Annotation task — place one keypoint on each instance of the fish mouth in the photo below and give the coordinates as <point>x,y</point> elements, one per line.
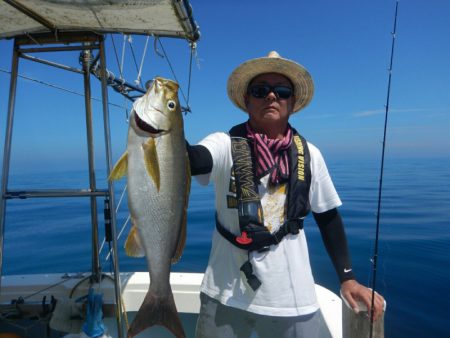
<point>147,127</point>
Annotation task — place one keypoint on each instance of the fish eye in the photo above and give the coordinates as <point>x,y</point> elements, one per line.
<point>171,104</point>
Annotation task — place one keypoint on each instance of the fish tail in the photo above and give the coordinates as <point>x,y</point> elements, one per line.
<point>157,310</point>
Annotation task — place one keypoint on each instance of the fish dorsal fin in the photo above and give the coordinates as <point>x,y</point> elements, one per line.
<point>133,244</point>
<point>120,168</point>
<point>151,161</point>
<point>182,236</point>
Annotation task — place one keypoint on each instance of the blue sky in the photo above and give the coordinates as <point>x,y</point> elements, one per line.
<point>344,44</point>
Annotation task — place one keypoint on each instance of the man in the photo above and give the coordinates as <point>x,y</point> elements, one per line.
<point>267,178</point>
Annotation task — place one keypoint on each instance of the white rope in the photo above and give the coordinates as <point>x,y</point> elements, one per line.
<point>117,57</point>
<point>130,42</point>
<point>117,209</point>
<point>127,120</point>
<point>120,234</point>
<point>198,60</point>
<point>121,198</point>
<point>138,80</point>
<point>123,55</point>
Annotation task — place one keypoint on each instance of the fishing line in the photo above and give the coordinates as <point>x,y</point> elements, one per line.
<point>60,88</point>
<point>66,278</point>
<point>173,73</point>
<point>380,187</point>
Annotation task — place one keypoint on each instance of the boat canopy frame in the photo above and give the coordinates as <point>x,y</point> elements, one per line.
<point>85,42</point>
<point>59,26</point>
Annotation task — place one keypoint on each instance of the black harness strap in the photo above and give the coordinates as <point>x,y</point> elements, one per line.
<point>254,235</point>
<point>299,178</point>
<point>261,240</point>
<point>249,204</point>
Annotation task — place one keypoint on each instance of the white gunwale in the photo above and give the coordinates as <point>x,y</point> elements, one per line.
<point>185,287</point>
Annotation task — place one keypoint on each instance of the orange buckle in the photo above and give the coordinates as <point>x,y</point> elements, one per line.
<point>243,239</point>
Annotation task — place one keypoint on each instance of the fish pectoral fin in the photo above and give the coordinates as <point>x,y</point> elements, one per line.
<point>133,244</point>
<point>182,235</point>
<point>120,168</point>
<point>151,161</point>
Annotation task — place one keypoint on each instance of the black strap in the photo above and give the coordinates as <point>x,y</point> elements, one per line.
<point>299,179</point>
<point>260,240</point>
<point>252,280</point>
<point>261,244</point>
<point>229,235</point>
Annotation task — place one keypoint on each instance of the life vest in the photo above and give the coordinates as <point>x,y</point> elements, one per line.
<point>254,234</point>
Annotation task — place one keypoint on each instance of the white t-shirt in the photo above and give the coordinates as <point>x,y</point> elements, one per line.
<point>287,287</point>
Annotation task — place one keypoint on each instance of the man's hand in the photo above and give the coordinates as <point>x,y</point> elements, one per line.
<point>353,292</point>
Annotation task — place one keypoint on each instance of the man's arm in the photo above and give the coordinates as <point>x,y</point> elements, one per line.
<point>200,159</point>
<point>333,235</point>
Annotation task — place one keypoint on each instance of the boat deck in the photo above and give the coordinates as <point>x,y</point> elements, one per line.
<point>185,287</point>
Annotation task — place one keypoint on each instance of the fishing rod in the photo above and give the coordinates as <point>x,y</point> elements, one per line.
<point>380,187</point>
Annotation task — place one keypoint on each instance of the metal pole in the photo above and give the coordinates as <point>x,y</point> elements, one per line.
<point>23,194</point>
<point>56,49</point>
<point>115,257</point>
<point>7,149</point>
<point>51,63</point>
<point>96,274</point>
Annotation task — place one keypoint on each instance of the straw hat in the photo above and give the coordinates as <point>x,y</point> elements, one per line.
<point>272,63</point>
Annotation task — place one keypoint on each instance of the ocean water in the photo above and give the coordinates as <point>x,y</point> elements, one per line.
<point>54,235</point>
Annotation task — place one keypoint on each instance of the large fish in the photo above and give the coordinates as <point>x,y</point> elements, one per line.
<point>158,172</point>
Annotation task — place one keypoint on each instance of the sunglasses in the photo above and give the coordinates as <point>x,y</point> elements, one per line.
<point>261,91</point>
